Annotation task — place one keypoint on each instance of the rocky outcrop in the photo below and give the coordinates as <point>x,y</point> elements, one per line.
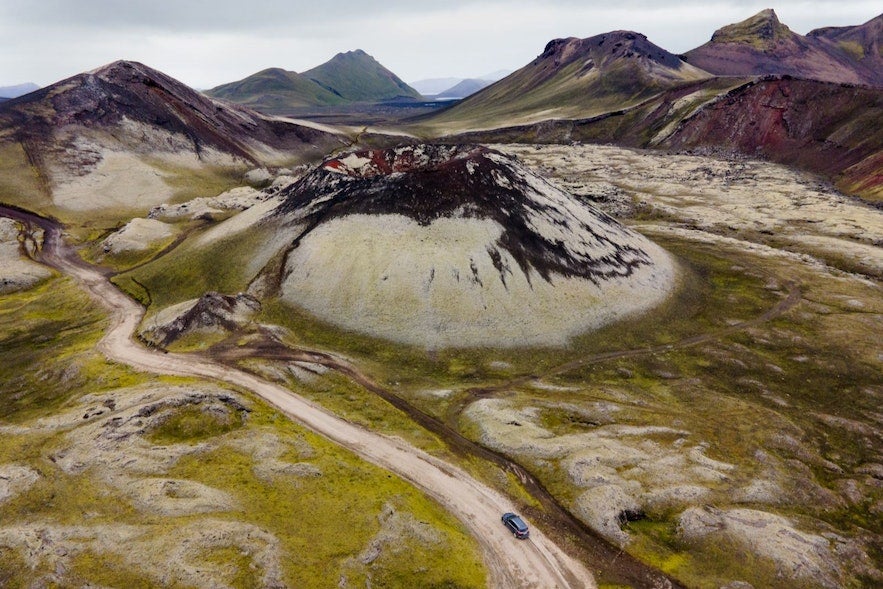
<point>17,272</point>
<point>212,312</point>
<point>796,554</point>
<point>459,246</point>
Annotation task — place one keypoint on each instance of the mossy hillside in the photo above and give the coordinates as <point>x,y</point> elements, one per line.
<point>21,183</point>
<point>47,340</point>
<point>324,522</point>
<point>347,487</point>
<point>191,270</point>
<point>187,183</point>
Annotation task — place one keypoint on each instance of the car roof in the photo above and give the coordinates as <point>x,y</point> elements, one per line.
<point>519,523</point>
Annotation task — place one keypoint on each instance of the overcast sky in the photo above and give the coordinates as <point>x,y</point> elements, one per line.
<point>208,42</point>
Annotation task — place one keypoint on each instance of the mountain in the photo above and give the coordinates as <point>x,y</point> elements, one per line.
<point>574,78</point>
<point>346,78</point>
<point>355,76</point>
<point>433,86</point>
<point>831,129</point>
<point>17,90</point>
<point>497,256</point>
<point>863,42</point>
<point>447,87</point>
<point>126,135</point>
<point>274,90</point>
<point>465,88</point>
<point>762,45</point>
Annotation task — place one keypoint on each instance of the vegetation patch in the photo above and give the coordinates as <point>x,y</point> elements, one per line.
<point>191,423</point>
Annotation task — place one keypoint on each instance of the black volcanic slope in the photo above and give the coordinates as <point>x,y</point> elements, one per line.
<point>426,183</point>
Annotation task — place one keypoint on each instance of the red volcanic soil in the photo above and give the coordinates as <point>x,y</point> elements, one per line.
<point>832,129</point>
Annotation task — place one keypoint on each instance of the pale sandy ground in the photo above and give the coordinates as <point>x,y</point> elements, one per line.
<point>237,199</point>
<point>137,235</point>
<point>534,563</point>
<point>752,200</point>
<point>17,272</point>
<point>388,276</point>
<point>119,180</point>
<point>99,172</point>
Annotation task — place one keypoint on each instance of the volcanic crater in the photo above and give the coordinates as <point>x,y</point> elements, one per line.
<point>441,246</point>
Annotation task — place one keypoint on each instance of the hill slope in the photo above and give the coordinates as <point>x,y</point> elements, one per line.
<point>122,135</point>
<point>863,42</point>
<point>574,78</point>
<point>497,257</point>
<point>275,89</point>
<point>356,76</point>
<point>762,45</point>
<point>465,88</point>
<point>835,130</point>
<point>346,78</point>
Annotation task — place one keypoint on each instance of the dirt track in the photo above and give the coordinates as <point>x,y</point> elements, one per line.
<point>538,562</point>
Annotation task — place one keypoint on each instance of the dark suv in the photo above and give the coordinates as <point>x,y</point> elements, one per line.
<point>517,525</point>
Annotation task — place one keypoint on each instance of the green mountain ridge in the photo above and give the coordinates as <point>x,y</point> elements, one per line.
<point>275,87</point>
<point>351,77</point>
<point>357,77</point>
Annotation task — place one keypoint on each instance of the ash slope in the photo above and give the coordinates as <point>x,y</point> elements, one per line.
<point>460,247</point>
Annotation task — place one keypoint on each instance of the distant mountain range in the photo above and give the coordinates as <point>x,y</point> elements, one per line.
<point>17,90</point>
<point>457,87</point>
<point>351,77</point>
<point>575,78</point>
<point>762,45</point>
<point>756,88</point>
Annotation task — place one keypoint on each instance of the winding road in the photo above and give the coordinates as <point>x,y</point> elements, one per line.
<point>537,562</point>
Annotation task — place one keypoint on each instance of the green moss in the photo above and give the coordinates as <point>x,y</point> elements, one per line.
<point>21,183</point>
<point>190,424</point>
<point>234,565</point>
<point>47,340</point>
<point>853,48</point>
<point>190,270</point>
<point>68,499</point>
<point>12,563</point>
<point>108,570</point>
<point>204,181</point>
<point>324,522</point>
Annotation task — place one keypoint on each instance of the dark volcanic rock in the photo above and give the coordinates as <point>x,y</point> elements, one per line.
<point>211,312</point>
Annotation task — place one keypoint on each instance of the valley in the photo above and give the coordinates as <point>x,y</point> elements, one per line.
<point>311,330</point>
